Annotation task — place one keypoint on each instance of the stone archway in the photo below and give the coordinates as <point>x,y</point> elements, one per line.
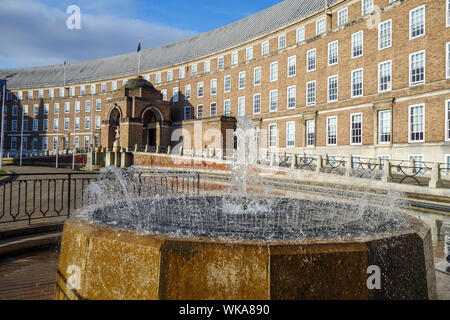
<point>151,126</point>
<point>114,121</point>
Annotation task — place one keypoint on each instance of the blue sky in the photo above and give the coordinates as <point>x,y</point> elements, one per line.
<point>35,30</point>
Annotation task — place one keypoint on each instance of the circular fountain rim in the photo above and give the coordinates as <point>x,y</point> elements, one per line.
<point>412,225</point>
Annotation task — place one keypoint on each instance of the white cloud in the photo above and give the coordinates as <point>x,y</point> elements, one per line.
<point>32,33</point>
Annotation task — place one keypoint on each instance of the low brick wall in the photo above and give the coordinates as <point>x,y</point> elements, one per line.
<point>176,162</point>
<point>80,159</point>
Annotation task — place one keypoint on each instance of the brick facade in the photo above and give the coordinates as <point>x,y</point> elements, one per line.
<point>432,94</point>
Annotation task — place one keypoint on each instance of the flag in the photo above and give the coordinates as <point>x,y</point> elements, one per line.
<point>65,62</point>
<point>139,47</point>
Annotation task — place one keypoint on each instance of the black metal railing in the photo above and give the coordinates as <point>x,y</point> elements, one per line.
<point>35,197</point>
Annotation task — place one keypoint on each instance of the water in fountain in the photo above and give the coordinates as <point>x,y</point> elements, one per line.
<point>137,199</point>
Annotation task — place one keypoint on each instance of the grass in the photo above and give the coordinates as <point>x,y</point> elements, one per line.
<point>3,172</point>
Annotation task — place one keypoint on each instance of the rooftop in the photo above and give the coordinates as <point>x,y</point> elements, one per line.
<point>226,37</point>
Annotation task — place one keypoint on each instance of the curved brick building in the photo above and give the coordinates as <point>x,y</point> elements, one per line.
<point>370,78</point>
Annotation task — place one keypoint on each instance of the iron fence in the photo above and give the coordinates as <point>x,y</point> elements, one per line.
<point>34,197</point>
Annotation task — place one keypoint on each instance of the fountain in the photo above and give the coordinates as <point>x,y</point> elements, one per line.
<point>134,240</point>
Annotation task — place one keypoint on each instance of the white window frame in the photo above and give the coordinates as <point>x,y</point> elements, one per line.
<point>362,83</point>
<point>287,97</point>
<point>235,58</point>
<point>447,60</point>
<point>409,122</point>
<point>336,42</point>
<point>317,26</point>
<point>447,120</point>
<point>241,106</point>
<point>220,63</point>
<point>289,75</point>
<point>411,84</point>
<point>327,131</point>
<point>447,16</point>
<point>200,107</point>
<point>337,88</point>
<point>270,100</point>
<point>339,23</point>
<point>307,60</point>
<point>410,22</point>
<point>287,134</point>
<point>362,8</point>
<point>264,44</point>
<point>225,84</point>
<point>447,165</point>
<point>298,32</point>
<point>242,80</point>
<point>164,94</point>
<point>187,110</point>
<point>379,82</point>
<point>213,85</point>
<point>308,104</point>
<point>254,96</point>
<point>225,102</point>
<point>211,114</point>
<point>207,66</point>
<point>379,34</point>
<point>282,38</point>
<point>276,135</point>
<point>351,129</point>
<point>249,53</point>
<point>307,133</point>
<point>353,44</point>
<point>181,73</point>
<point>380,127</point>
<point>194,70</point>
<point>201,86</point>
<point>187,89</point>
<point>273,75</point>
<point>254,76</point>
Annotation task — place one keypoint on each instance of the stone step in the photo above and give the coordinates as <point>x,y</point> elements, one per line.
<point>34,242</point>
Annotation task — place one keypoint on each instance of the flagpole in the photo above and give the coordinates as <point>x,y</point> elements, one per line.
<point>2,129</point>
<point>139,58</point>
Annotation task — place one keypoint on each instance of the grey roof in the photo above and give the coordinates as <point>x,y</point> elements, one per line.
<point>234,34</point>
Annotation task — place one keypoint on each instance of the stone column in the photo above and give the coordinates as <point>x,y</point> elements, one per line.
<point>412,166</point>
<point>349,166</point>
<point>387,172</point>
<point>319,164</point>
<point>436,181</point>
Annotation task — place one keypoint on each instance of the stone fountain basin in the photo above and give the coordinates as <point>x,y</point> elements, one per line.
<point>98,261</point>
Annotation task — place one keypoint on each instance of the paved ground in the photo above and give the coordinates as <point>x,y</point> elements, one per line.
<point>29,277</point>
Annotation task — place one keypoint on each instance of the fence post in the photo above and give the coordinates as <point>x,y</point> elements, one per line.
<point>294,161</point>
<point>349,166</point>
<point>436,181</point>
<point>412,166</point>
<point>387,172</point>
<point>68,195</point>
<point>198,183</point>
<point>319,164</point>
<point>272,159</point>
